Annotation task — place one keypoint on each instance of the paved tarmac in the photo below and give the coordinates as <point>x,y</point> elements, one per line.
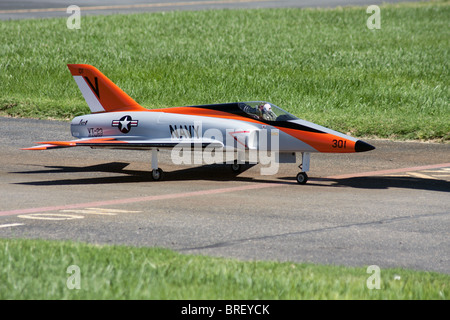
<point>26,9</point>
<point>388,207</point>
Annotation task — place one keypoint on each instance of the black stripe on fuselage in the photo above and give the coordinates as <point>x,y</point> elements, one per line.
<point>233,108</point>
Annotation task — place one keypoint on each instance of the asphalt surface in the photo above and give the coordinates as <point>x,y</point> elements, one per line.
<point>388,207</point>
<point>26,9</point>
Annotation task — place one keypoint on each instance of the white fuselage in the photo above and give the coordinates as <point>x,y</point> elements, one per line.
<point>180,128</point>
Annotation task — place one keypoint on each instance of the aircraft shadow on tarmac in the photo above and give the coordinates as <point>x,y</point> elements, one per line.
<point>220,172</point>
<point>216,172</point>
<point>386,182</point>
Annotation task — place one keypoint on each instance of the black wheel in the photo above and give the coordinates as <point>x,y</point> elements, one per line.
<point>236,167</point>
<point>157,174</point>
<point>302,178</point>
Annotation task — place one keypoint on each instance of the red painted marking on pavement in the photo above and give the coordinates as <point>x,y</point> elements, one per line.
<point>140,199</point>
<point>390,171</point>
<point>206,192</point>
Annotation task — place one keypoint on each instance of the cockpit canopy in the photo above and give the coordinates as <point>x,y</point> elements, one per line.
<point>267,111</point>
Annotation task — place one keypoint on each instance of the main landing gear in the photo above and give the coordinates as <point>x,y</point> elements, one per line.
<point>302,177</point>
<point>157,173</point>
<point>236,167</point>
<point>239,164</point>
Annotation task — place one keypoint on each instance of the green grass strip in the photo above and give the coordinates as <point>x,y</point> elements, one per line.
<point>323,65</point>
<point>38,269</point>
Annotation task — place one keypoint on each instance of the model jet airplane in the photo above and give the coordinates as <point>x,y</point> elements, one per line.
<point>117,121</point>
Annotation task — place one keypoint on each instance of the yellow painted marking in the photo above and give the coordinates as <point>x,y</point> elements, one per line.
<point>81,211</point>
<point>398,175</point>
<point>113,210</point>
<point>10,225</point>
<point>50,216</point>
<point>99,211</point>
<point>421,175</point>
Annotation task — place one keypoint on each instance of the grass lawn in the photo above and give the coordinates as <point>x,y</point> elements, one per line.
<point>323,65</point>
<point>37,269</point>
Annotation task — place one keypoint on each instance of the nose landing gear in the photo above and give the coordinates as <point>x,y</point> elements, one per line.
<point>302,177</point>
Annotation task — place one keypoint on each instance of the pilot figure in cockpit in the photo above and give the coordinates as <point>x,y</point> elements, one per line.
<point>266,113</point>
<point>262,111</point>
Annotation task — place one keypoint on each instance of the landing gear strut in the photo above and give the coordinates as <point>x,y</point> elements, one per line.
<point>302,177</point>
<point>157,173</point>
<point>238,165</point>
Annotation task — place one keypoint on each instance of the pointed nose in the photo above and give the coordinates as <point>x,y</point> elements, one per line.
<point>361,146</point>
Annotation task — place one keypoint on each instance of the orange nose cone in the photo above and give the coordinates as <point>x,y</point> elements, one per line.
<point>361,146</point>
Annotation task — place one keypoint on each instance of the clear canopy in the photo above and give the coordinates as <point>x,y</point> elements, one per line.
<point>262,110</point>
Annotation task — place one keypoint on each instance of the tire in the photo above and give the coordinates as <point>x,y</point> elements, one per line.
<point>302,178</point>
<point>236,167</point>
<point>157,174</point>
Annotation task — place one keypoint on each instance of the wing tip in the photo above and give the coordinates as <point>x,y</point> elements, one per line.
<point>34,148</point>
<point>51,145</point>
<point>42,147</point>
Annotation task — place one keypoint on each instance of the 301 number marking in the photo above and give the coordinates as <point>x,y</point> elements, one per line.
<point>339,144</point>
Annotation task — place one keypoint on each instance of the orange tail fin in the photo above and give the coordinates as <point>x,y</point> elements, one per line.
<point>100,93</point>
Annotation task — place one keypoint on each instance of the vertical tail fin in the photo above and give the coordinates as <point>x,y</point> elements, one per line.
<point>100,93</point>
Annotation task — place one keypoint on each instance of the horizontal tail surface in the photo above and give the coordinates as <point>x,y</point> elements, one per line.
<point>100,93</point>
